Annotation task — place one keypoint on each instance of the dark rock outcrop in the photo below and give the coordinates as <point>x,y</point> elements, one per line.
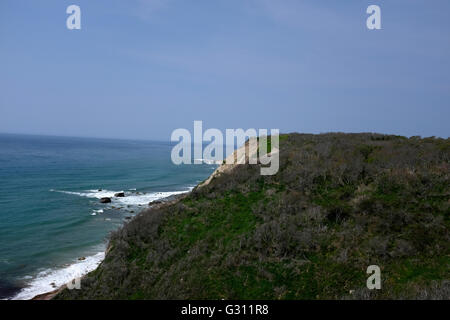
<point>105,200</point>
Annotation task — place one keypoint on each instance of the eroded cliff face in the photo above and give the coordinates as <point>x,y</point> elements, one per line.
<point>241,156</point>
<point>339,203</point>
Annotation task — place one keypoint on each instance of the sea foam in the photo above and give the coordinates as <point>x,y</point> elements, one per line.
<point>130,199</point>
<point>50,279</point>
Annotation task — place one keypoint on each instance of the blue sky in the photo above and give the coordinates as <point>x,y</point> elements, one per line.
<point>142,68</point>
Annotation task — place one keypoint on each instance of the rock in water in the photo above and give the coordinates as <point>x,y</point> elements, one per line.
<point>105,200</point>
<point>119,195</point>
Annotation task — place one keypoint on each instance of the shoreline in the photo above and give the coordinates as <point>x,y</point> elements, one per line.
<point>171,199</point>
<point>62,217</point>
<point>51,280</point>
<point>49,295</point>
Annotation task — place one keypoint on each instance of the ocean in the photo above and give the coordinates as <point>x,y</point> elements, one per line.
<point>53,227</point>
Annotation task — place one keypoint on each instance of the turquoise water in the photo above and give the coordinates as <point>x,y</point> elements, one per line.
<point>50,214</point>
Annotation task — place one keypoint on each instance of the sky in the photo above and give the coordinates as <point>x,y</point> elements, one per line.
<point>139,69</point>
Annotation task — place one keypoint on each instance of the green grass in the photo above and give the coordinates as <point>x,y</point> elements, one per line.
<point>226,218</point>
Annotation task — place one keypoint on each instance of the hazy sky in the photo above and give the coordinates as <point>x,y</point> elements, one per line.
<point>142,68</point>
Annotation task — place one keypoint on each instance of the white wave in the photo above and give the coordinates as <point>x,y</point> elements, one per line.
<point>90,193</point>
<point>131,198</point>
<point>143,199</point>
<point>97,211</point>
<point>42,282</point>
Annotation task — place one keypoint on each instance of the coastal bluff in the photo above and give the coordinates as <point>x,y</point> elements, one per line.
<point>338,204</point>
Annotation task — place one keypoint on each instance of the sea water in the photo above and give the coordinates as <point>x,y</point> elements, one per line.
<point>53,227</point>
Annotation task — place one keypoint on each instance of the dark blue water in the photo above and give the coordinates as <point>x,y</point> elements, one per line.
<point>50,214</point>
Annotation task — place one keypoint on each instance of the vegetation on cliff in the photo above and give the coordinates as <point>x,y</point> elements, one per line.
<point>339,203</point>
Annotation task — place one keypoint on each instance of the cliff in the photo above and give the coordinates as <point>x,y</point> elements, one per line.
<point>339,203</point>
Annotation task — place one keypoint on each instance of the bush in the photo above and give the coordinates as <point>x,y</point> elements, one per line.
<point>339,203</point>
